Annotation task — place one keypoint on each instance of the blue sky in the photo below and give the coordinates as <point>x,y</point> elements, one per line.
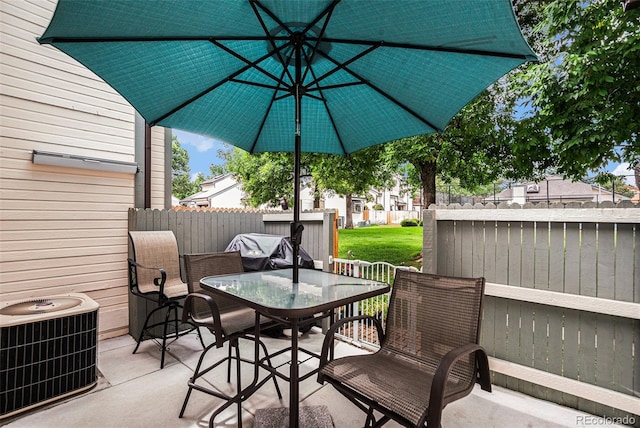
<point>203,152</point>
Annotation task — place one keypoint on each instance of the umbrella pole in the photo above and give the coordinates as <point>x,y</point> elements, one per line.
<point>296,226</point>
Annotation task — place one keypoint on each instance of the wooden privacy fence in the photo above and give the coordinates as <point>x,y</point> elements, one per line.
<point>209,230</point>
<point>562,312</point>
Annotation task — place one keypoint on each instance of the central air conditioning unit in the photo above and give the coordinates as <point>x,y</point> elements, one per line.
<point>48,350</point>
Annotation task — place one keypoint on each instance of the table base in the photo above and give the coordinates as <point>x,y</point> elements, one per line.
<point>310,417</point>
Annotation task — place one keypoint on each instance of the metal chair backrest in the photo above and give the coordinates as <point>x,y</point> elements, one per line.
<point>429,315</point>
<point>155,249</point>
<point>198,266</point>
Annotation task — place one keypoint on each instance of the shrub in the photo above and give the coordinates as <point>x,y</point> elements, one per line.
<point>409,222</point>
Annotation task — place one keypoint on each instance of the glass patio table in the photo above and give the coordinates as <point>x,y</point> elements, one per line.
<point>274,295</point>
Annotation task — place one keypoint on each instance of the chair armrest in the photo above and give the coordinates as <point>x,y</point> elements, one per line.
<point>189,303</point>
<point>436,400</point>
<point>328,338</point>
<point>159,282</point>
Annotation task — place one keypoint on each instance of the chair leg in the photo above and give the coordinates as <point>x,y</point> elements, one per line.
<point>167,319</point>
<point>200,337</point>
<point>229,360</point>
<point>275,381</point>
<point>370,419</point>
<point>193,378</point>
<point>144,328</point>
<point>239,381</point>
<point>172,309</point>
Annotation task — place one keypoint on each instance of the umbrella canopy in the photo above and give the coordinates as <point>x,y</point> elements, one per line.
<point>298,75</point>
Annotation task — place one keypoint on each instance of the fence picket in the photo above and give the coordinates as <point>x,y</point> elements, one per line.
<point>586,251</point>
<point>501,274</point>
<point>606,261</point>
<point>624,266</point>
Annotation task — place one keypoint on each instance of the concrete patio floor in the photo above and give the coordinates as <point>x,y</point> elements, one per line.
<point>133,392</point>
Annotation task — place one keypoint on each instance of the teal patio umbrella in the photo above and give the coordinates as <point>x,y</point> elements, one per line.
<point>296,76</point>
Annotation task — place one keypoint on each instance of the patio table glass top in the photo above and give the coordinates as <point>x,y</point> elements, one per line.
<point>274,293</point>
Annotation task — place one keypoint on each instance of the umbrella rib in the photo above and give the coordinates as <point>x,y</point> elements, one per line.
<point>271,15</point>
<point>398,103</point>
<point>116,39</point>
<point>270,38</point>
<point>326,106</point>
<point>328,12</point>
<point>261,85</point>
<point>343,65</point>
<point>204,92</point>
<point>477,52</point>
<point>336,86</point>
<point>383,93</point>
<point>282,97</point>
<point>264,119</point>
<point>251,64</point>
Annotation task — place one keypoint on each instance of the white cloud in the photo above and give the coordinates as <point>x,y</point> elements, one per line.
<point>199,142</point>
<point>624,169</point>
<point>202,144</point>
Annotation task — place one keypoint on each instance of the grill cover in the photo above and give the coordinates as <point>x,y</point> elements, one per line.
<point>267,252</point>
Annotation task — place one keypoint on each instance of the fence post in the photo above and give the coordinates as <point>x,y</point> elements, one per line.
<point>429,241</point>
<point>330,239</point>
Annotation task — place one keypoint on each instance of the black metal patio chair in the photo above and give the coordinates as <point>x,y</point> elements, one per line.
<point>227,320</point>
<point>429,354</point>
<point>154,275</point>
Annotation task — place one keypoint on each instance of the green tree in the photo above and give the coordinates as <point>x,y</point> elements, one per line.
<point>265,177</point>
<point>350,175</point>
<point>474,148</point>
<point>181,184</point>
<point>585,94</point>
<point>216,170</point>
<point>268,177</point>
<point>611,182</point>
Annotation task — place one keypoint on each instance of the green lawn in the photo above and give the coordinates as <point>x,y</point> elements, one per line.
<point>393,244</point>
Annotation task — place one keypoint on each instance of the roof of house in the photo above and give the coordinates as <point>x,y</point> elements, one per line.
<point>210,190</point>
<point>553,188</point>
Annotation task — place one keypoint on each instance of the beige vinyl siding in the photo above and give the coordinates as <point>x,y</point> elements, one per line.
<point>63,229</point>
<point>157,168</point>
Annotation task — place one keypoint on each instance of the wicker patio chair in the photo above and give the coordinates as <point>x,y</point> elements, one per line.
<point>226,319</point>
<point>429,354</point>
<point>154,275</point>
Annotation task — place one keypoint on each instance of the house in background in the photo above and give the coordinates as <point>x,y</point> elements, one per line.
<point>222,191</point>
<point>554,189</point>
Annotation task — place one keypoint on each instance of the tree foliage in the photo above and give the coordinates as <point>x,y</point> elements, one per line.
<point>181,184</point>
<point>268,177</point>
<point>585,94</point>
<point>613,184</point>
<point>571,114</point>
<point>265,177</point>
<point>350,175</point>
<point>474,148</point>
